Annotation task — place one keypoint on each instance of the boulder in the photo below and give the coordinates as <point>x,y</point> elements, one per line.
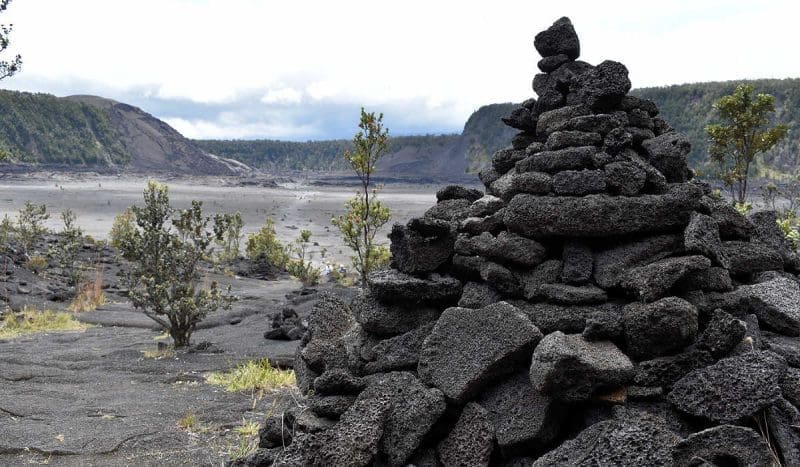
<point>557,119</point>
<point>579,182</point>
<point>732,389</point>
<point>569,319</point>
<point>599,123</point>
<point>501,278</point>
<point>399,352</point>
<point>522,417</point>
<point>551,162</point>
<point>458,192</point>
<point>665,371</point>
<point>786,347</point>
<point>655,280</point>
<point>783,420</point>
<point>629,103</point>
<point>723,445</point>
<point>330,407</point>
<point>722,334</point>
<point>573,294</point>
<point>560,38</point>
<point>577,263</point>
<point>617,141</point>
<point>354,440</point>
<point>548,272</point>
<point>471,441</point>
<point>625,178</point>
<point>478,295</point>
<point>338,381</point>
<point>571,368</point>
<point>621,441</point>
<point>572,138</point>
<point>392,286</point>
<point>790,386</point>
<point>750,258</point>
<point>486,206</point>
<point>513,183</point>
<point>551,63</point>
<point>505,159</point>
<point>450,210</point>
<point>482,344</point>
<point>712,280</point>
<point>387,320</point>
<point>605,85</point>
<point>521,118</point>
<point>415,409</point>
<point>776,303</point>
<point>612,264</point>
<point>732,225</point>
<point>601,215</point>
<point>668,154</point>
<point>702,236</point>
<point>658,328</point>
<point>415,253</point>
<point>604,324</point>
<point>769,233</point>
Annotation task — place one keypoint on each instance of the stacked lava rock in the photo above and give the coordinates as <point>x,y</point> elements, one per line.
<point>595,307</point>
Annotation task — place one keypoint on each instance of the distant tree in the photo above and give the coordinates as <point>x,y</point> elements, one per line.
<point>7,68</point>
<point>228,234</point>
<point>744,135</point>
<point>365,214</point>
<point>165,282</point>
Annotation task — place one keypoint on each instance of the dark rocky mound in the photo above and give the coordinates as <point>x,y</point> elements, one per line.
<point>595,307</point>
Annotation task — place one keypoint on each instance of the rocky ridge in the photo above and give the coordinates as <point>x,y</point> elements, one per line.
<point>596,306</point>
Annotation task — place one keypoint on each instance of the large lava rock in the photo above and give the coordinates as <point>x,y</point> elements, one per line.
<point>468,349</point>
<point>601,215</point>
<point>571,368</point>
<point>732,389</point>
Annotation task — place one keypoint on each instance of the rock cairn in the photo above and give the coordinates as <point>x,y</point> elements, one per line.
<point>595,307</point>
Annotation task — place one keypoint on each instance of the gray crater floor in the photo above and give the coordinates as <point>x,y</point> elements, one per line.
<point>92,398</point>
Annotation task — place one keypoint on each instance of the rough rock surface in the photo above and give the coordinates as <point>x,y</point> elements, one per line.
<point>666,313</point>
<point>731,389</point>
<point>570,368</point>
<point>724,444</point>
<point>483,344</point>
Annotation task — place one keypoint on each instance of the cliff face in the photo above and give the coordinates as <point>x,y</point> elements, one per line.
<point>155,146</point>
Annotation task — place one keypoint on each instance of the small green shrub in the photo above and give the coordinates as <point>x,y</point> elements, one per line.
<point>67,247</point>
<point>30,225</point>
<point>227,234</point>
<point>300,263</point>
<point>122,229</point>
<point>7,233</point>
<point>265,243</point>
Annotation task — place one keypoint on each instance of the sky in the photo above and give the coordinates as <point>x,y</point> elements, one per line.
<point>300,70</point>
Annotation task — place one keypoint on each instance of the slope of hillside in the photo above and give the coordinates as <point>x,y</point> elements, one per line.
<point>99,134</point>
<point>42,128</point>
<point>688,107</point>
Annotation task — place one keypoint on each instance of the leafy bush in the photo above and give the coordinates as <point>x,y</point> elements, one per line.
<point>227,234</point>
<point>90,294</point>
<point>30,225</point>
<point>265,243</point>
<point>165,280</point>
<point>7,233</point>
<point>300,263</point>
<point>67,247</point>
<point>122,229</point>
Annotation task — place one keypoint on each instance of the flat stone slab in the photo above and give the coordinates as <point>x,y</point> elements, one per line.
<point>468,349</point>
<point>601,215</point>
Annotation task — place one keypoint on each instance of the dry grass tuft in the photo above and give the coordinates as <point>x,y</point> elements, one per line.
<point>90,294</point>
<point>32,321</point>
<point>252,376</point>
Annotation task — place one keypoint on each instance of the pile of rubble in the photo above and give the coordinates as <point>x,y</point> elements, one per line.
<point>595,307</point>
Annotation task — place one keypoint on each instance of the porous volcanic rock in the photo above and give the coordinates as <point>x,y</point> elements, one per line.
<point>596,306</point>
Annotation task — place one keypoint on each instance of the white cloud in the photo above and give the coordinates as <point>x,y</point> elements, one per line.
<point>221,129</point>
<point>282,96</point>
<point>446,56</point>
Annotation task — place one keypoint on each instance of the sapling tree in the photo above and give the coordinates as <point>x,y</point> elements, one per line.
<point>365,214</point>
<point>66,249</point>
<point>7,67</point>
<point>744,135</point>
<point>165,281</point>
<point>227,234</point>
<point>30,225</point>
